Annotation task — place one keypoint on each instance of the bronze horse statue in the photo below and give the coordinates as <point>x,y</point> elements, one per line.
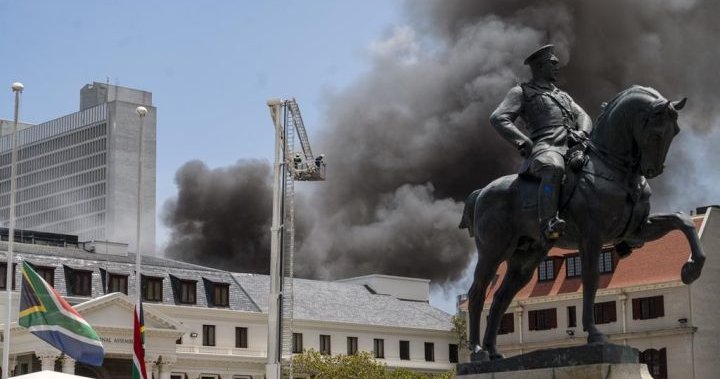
<point>605,203</point>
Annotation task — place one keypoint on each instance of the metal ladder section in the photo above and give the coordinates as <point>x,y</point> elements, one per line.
<point>300,127</point>
<point>288,251</point>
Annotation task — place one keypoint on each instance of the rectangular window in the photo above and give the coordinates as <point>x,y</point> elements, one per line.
<point>453,351</point>
<point>605,313</point>
<point>81,283</point>
<point>3,273</point>
<point>656,361</point>
<point>379,348</point>
<point>187,291</point>
<point>546,270</point>
<point>606,261</point>
<point>325,344</point>
<point>352,345</point>
<point>429,352</point>
<point>47,273</point>
<point>118,283</point>
<point>645,308</point>
<point>152,288</point>
<point>574,268</point>
<point>571,318</point>
<point>297,343</point>
<point>507,324</point>
<point>241,337</point>
<point>208,335</point>
<point>221,294</point>
<point>405,350</point>
<point>542,319</point>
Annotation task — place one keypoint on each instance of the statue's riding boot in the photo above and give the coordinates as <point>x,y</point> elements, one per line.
<point>548,198</point>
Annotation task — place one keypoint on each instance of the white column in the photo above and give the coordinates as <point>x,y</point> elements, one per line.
<point>165,366</point>
<point>150,365</point>
<point>519,311</point>
<point>68,365</point>
<point>623,309</point>
<point>47,359</point>
<point>12,362</point>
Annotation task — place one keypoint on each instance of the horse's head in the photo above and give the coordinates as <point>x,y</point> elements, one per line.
<point>654,135</point>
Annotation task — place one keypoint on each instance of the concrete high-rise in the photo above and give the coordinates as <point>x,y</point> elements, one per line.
<point>78,174</point>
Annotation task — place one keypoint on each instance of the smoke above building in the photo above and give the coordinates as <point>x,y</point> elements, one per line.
<point>410,139</point>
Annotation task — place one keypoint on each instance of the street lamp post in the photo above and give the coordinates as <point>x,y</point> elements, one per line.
<point>17,87</point>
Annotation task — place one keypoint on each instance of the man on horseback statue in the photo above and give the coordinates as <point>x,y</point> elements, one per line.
<point>606,205</point>
<point>553,121</point>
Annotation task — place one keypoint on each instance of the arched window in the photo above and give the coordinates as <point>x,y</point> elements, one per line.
<point>656,360</point>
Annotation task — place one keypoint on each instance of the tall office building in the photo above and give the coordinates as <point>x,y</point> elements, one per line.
<point>78,174</point>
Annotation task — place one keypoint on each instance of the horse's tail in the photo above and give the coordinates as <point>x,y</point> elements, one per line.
<point>468,215</point>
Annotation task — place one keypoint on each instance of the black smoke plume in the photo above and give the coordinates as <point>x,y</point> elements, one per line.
<point>221,217</point>
<point>410,139</point>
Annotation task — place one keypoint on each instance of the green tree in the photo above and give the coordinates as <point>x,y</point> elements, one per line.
<point>359,366</point>
<point>460,329</point>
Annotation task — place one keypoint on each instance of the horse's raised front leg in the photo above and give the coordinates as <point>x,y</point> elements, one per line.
<point>660,224</point>
<point>589,257</point>
<point>521,266</point>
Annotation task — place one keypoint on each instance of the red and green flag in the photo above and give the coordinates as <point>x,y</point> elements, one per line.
<point>48,316</point>
<point>138,368</point>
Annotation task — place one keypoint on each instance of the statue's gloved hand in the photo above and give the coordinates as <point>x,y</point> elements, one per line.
<point>525,148</point>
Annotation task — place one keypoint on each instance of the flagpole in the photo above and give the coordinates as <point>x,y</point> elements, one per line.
<point>17,87</point>
<point>141,111</point>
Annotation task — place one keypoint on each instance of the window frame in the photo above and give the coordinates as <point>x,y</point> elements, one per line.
<point>47,273</point>
<point>188,291</point>
<point>379,348</point>
<point>404,348</point>
<point>352,345</point>
<point>325,347</point>
<point>429,352</point>
<point>571,317</point>
<point>208,335</point>
<point>606,261</point>
<point>605,312</point>
<point>507,324</point>
<point>3,269</point>
<point>152,285</point>
<point>221,294</point>
<point>649,307</point>
<point>546,270</point>
<point>453,353</point>
<point>117,279</point>
<point>80,278</point>
<point>656,362</point>
<point>241,337</point>
<point>573,266</point>
<point>542,319</point>
<point>297,343</point>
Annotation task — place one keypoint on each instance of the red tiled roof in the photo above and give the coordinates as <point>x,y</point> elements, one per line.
<point>656,262</point>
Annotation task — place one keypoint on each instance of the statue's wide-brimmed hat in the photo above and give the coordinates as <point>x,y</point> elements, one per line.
<point>540,54</point>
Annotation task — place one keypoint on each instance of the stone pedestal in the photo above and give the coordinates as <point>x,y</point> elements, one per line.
<point>596,371</point>
<point>580,362</point>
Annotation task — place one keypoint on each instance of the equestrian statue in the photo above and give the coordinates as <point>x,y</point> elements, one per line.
<point>581,186</point>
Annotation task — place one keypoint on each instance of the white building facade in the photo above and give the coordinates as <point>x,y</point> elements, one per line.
<point>203,323</point>
<point>641,303</point>
<point>78,174</point>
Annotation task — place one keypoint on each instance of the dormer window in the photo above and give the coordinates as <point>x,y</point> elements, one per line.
<point>187,291</point>
<point>221,294</point>
<point>152,288</point>
<point>218,293</point>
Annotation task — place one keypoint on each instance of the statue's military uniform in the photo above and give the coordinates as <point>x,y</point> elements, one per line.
<point>547,113</point>
<point>551,117</point>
